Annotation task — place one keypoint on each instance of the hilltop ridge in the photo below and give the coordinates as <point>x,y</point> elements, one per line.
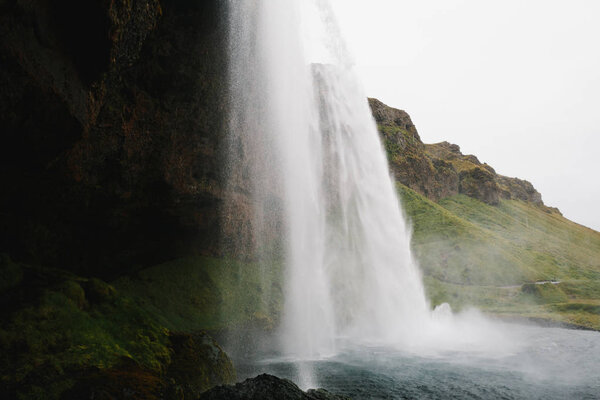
<point>441,170</point>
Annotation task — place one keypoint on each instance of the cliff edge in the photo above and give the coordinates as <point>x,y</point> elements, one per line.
<point>441,170</point>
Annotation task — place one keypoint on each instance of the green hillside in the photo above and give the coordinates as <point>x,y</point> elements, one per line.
<point>475,254</point>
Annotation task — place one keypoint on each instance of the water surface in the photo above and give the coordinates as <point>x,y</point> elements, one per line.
<point>549,363</point>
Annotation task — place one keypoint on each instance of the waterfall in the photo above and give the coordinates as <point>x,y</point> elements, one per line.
<point>303,133</point>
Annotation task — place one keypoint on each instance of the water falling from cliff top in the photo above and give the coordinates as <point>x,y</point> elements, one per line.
<point>349,267</point>
<point>307,137</point>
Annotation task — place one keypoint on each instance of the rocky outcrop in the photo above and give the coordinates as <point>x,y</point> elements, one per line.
<point>433,177</point>
<point>198,364</point>
<point>441,170</point>
<point>111,116</point>
<point>266,387</point>
<point>515,188</point>
<point>480,184</point>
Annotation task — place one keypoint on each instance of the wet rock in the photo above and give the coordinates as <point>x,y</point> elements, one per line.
<point>198,364</point>
<point>266,387</point>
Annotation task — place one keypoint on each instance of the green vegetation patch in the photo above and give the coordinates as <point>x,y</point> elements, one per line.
<point>455,250</point>
<point>208,293</point>
<point>490,257</point>
<point>71,327</point>
<point>545,293</point>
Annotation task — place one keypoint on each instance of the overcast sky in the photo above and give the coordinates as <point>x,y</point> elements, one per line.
<point>515,82</point>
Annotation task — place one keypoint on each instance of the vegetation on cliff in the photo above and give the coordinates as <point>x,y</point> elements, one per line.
<point>208,293</point>
<point>61,332</point>
<point>496,258</point>
<point>486,240</point>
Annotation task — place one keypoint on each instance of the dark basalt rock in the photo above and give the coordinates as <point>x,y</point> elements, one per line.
<point>111,119</point>
<point>265,387</point>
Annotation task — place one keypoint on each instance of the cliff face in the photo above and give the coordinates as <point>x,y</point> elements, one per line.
<point>111,160</point>
<point>111,115</point>
<point>440,170</point>
<point>112,130</point>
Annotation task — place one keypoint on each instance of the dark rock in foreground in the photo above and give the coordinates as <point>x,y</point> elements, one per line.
<point>265,387</point>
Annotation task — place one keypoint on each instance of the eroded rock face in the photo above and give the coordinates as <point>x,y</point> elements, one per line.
<point>266,387</point>
<point>434,177</point>
<point>480,184</point>
<point>112,117</point>
<point>440,170</point>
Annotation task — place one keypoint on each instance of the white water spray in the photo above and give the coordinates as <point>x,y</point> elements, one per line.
<point>350,272</point>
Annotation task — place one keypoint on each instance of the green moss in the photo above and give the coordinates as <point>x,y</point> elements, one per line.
<point>199,363</point>
<point>40,343</point>
<point>207,293</point>
<point>98,291</point>
<point>74,292</point>
<point>398,142</point>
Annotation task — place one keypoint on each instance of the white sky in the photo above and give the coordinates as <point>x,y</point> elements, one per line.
<point>515,82</point>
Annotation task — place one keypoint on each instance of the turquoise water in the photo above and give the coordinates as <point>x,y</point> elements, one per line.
<point>550,363</point>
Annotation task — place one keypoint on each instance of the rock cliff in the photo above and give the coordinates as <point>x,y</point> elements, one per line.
<point>111,116</point>
<point>440,170</point>
<point>113,129</point>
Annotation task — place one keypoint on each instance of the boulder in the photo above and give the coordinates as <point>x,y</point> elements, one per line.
<point>267,387</point>
<point>198,364</point>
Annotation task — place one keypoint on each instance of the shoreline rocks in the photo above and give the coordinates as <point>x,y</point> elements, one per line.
<point>266,387</point>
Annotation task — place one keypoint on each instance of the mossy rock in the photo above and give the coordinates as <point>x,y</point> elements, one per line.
<point>11,274</point>
<point>261,322</point>
<point>98,291</point>
<point>268,387</point>
<point>48,342</point>
<point>198,364</point>
<point>74,292</point>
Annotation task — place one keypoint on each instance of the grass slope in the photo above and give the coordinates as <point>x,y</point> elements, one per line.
<point>475,254</point>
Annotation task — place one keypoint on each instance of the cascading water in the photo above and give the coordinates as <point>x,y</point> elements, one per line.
<point>305,152</point>
<point>349,266</point>
<point>303,133</point>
